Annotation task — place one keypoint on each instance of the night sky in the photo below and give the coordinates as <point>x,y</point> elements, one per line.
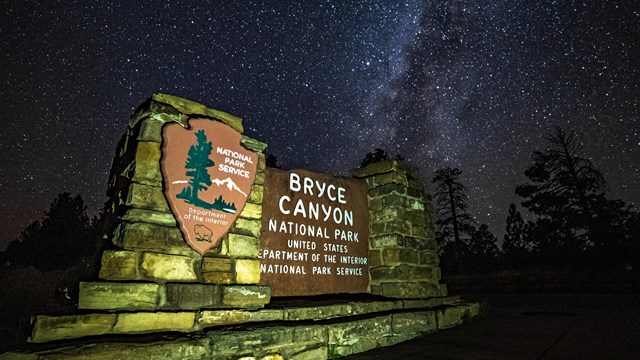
<point>468,84</point>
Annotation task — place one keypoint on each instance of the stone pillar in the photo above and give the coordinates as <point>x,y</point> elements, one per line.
<point>402,245</point>
<point>152,251</point>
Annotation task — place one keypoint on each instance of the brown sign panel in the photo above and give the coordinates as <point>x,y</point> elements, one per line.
<point>314,234</point>
<point>207,176</point>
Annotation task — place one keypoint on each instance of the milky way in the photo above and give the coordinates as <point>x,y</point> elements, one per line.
<point>470,84</point>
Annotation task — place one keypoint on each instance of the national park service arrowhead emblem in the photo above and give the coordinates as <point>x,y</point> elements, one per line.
<point>207,177</point>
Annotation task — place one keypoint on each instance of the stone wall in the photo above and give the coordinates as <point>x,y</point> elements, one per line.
<point>317,341</point>
<point>403,262</point>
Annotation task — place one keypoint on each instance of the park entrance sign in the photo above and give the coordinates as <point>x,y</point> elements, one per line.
<point>206,235</point>
<point>207,175</point>
<point>314,234</point>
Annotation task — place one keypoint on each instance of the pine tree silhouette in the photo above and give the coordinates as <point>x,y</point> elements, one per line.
<point>196,165</point>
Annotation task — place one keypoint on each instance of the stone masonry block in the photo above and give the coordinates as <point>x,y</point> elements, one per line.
<point>147,164</point>
<point>414,322</point>
<point>259,178</point>
<point>410,290</point>
<point>147,322</point>
<point>243,246</point>
<point>118,296</point>
<point>134,215</point>
<point>247,227</point>
<point>404,272</point>
<point>393,177</point>
<point>210,264</point>
<point>218,277</point>
<point>375,259</point>
<point>119,265</point>
<point>192,296</point>
<point>247,296</point>
<point>49,328</point>
<point>227,317</point>
<point>247,271</point>
<point>262,162</point>
<point>380,241</point>
<point>151,237</point>
<point>147,197</point>
<point>396,256</point>
<point>164,268</point>
<point>256,195</point>
<point>251,211</point>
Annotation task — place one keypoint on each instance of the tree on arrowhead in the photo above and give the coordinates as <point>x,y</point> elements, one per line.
<point>197,163</point>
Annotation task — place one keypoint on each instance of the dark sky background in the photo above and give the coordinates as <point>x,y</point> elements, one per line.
<point>470,84</point>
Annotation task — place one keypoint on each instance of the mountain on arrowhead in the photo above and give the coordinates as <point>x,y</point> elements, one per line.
<point>229,184</point>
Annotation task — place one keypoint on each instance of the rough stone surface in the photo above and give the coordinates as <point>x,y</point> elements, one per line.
<point>148,216</point>
<point>247,271</point>
<point>313,354</point>
<point>397,256</point>
<point>194,109</point>
<point>119,265</point>
<point>147,164</point>
<point>456,315</point>
<point>253,144</point>
<point>414,322</point>
<point>216,264</point>
<point>48,328</point>
<point>192,296</point>
<point>243,246</point>
<point>151,237</point>
<point>320,312</point>
<point>218,277</point>
<point>408,290</point>
<point>118,296</point>
<point>246,296</point>
<point>247,227</point>
<point>256,195</point>
<point>228,317</point>
<point>153,322</point>
<point>147,197</point>
<point>252,211</point>
<point>163,268</point>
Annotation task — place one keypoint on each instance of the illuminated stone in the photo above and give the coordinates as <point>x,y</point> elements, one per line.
<point>163,267</point>
<point>243,246</point>
<point>246,296</point>
<point>408,290</point>
<point>147,216</point>
<point>118,296</point>
<point>320,353</point>
<point>414,322</point>
<point>144,236</point>
<point>218,277</point>
<point>119,265</point>
<point>147,164</point>
<point>49,328</point>
<point>228,317</point>
<point>145,322</point>
<point>188,107</point>
<point>216,264</point>
<point>192,296</point>
<point>247,271</point>
<point>247,227</point>
<point>397,256</point>
<point>251,211</point>
<point>256,194</point>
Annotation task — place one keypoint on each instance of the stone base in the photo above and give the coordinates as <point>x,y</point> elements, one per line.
<point>388,323</point>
